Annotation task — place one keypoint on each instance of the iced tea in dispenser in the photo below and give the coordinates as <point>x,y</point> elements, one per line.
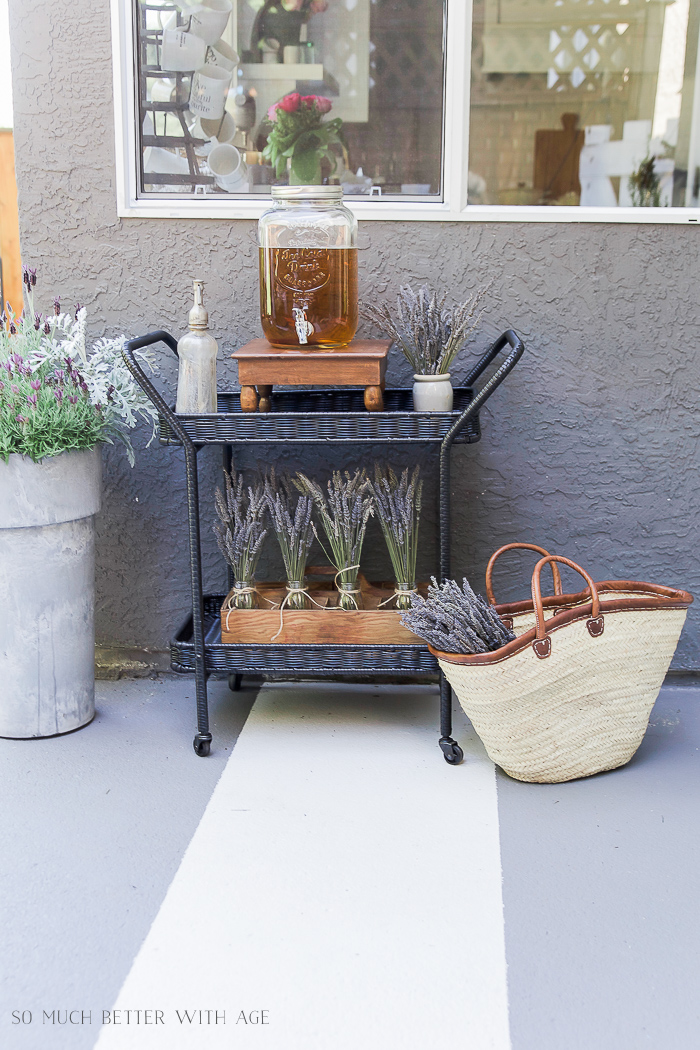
<point>308,268</point>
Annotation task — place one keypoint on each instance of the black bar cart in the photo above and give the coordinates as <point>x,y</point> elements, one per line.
<point>313,417</point>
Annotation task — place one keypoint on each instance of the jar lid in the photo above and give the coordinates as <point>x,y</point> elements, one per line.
<point>305,193</point>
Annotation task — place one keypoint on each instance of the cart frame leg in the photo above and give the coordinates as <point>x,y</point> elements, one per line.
<point>227,466</point>
<point>202,741</point>
<point>234,679</point>
<point>451,750</point>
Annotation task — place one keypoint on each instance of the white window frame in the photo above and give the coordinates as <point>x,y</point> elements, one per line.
<point>454,207</point>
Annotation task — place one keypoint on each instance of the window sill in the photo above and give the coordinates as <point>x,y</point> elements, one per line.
<point>413,211</point>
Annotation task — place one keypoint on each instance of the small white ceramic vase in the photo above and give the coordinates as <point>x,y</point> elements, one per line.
<point>432,393</point>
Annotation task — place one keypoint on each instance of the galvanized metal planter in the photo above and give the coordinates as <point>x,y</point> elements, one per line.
<point>47,592</point>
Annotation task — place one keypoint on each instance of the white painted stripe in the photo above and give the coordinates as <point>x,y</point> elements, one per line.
<point>343,878</point>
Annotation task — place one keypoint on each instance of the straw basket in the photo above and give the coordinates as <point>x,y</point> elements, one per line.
<point>571,696</point>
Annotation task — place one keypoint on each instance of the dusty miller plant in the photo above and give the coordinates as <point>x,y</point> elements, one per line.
<point>56,395</point>
<point>398,506</point>
<point>240,533</point>
<point>456,620</point>
<point>429,334</point>
<point>290,516</point>
<point>344,510</point>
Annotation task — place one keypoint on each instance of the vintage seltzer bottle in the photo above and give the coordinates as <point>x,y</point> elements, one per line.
<point>197,350</point>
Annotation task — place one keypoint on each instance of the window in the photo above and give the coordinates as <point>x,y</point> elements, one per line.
<point>569,109</point>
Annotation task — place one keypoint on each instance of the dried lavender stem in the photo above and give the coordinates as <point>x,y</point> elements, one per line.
<point>429,335</point>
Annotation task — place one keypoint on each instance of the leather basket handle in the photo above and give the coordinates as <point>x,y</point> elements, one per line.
<point>523,547</point>
<point>543,643</point>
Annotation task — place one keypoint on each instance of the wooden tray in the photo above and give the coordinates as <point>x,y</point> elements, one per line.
<point>330,625</point>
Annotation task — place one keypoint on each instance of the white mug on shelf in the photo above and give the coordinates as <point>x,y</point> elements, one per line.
<point>161,90</point>
<point>164,161</point>
<point>209,19</point>
<point>182,52</point>
<point>222,54</point>
<point>292,54</point>
<point>209,88</point>
<point>213,132</point>
<point>228,168</point>
<point>268,53</point>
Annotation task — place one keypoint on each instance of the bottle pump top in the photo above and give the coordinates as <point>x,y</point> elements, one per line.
<point>199,318</point>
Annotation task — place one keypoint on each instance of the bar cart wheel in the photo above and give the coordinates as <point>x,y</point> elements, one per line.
<point>234,682</point>
<point>202,744</point>
<point>451,750</point>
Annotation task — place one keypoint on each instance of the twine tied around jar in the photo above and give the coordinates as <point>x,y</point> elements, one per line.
<point>294,587</point>
<point>401,590</point>
<point>344,589</point>
<point>240,591</point>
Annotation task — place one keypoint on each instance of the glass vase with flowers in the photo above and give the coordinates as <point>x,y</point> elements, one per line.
<point>300,139</point>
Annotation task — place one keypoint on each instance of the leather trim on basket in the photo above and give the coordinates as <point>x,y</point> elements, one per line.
<point>658,598</point>
<point>542,647</point>
<point>554,601</point>
<point>596,626</point>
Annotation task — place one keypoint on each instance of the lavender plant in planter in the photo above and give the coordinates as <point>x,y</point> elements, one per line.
<point>58,403</point>
<point>430,336</point>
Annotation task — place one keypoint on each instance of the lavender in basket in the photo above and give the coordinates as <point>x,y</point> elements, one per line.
<point>456,621</point>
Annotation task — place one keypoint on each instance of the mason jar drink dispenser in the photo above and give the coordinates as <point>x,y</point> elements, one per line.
<point>308,268</point>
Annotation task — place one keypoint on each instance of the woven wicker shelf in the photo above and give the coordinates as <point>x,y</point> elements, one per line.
<point>322,416</point>
<point>317,661</point>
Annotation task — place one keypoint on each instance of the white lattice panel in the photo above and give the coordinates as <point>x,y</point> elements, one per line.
<point>576,41</point>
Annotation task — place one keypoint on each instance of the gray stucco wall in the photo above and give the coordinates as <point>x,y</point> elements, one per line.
<point>590,447</point>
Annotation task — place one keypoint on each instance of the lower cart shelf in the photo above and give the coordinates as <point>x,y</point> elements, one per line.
<point>317,661</point>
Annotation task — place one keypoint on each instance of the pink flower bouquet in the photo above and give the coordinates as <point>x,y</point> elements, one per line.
<point>301,136</point>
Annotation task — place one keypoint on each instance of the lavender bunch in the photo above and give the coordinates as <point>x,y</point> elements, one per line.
<point>294,530</point>
<point>398,505</point>
<point>456,621</point>
<point>240,533</point>
<point>429,335</point>
<point>344,513</point>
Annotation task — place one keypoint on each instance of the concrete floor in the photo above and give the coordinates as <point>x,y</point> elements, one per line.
<point>600,878</point>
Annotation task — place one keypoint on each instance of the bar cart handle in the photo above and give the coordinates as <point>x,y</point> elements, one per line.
<point>508,338</point>
<point>129,355</point>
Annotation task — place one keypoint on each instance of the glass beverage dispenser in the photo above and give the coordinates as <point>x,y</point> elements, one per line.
<point>308,268</point>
